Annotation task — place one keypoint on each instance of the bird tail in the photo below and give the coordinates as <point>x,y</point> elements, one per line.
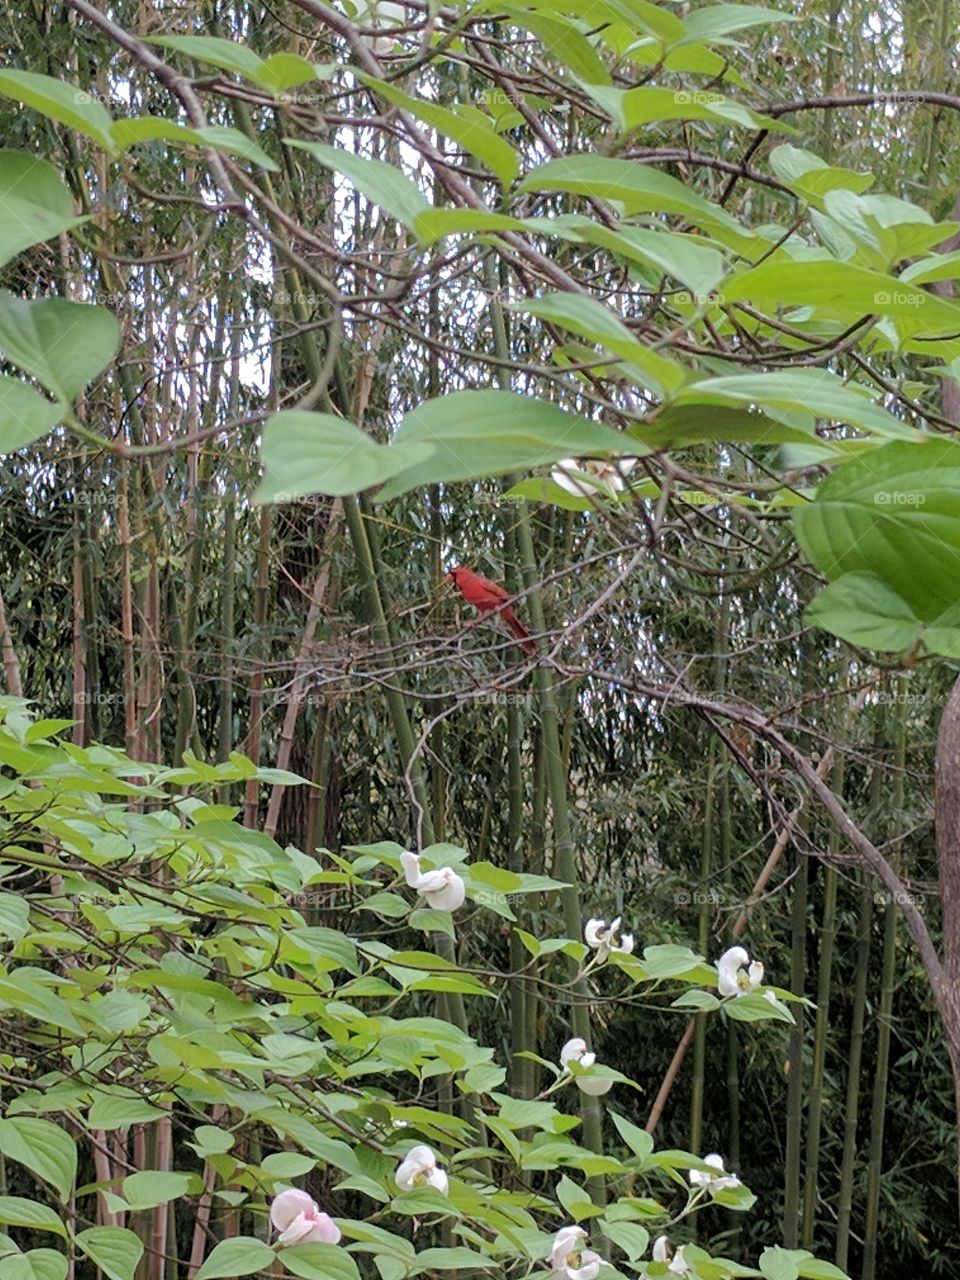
<point>520,631</point>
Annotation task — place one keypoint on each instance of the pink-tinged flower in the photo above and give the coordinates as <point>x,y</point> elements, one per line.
<point>737,975</point>
<point>568,1261</point>
<point>298,1219</point>
<point>443,888</point>
<point>717,1179</point>
<point>419,1168</point>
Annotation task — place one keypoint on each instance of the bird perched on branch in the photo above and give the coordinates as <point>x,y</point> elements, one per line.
<point>488,597</point>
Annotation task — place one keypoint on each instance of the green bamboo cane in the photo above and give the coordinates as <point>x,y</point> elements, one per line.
<point>798,928</point>
<point>828,930</point>
<point>854,1060</point>
<point>891,912</point>
<point>563,851</point>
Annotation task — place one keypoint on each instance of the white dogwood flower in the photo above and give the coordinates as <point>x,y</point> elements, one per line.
<point>576,1050</point>
<point>661,1253</point>
<point>568,1261</point>
<point>442,888</point>
<point>586,477</point>
<point>419,1168</point>
<point>604,940</point>
<point>717,1179</point>
<point>737,975</point>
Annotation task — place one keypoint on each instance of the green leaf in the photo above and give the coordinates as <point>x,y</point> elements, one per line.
<point>466,126</point>
<point>684,257</point>
<point>59,101</point>
<point>453,1259</point>
<point>18,1212</point>
<point>35,204</point>
<point>115,1250</point>
<point>240,1256</point>
<point>811,177</point>
<point>26,989</point>
<point>319,1262</point>
<point>278,72</point>
<point>562,37</point>
<point>225,54</point>
<point>861,609</point>
<point>638,1140</point>
<point>632,108</point>
<point>14,916</point>
<point>815,1269</point>
<point>25,415</point>
<point>484,433</point>
<point>45,1148</point>
<point>209,1139</point>
<point>591,319</point>
<point>640,188</point>
<point>151,1187</point>
<point>813,391</point>
<point>889,523</point>
<point>62,344</point>
<point>281,71</point>
<point>433,224</point>
<point>842,291</point>
<point>318,453</point>
<point>118,1111</point>
<point>777,1264</point>
<point>127,133</point>
<point>695,1000</point>
<point>287,1165</point>
<point>628,1236</point>
<point>36,1264</point>
<point>754,1007</point>
<point>678,426</point>
<point>716,22</point>
<point>668,960</point>
<point>381,183</point>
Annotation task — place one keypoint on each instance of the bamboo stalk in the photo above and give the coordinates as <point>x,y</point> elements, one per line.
<point>301,668</point>
<point>828,930</point>
<point>255,726</point>
<point>795,1080</point>
<point>11,663</point>
<point>854,1060</point>
<point>878,1112</point>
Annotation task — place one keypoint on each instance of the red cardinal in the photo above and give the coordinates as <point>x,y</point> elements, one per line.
<point>488,596</point>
